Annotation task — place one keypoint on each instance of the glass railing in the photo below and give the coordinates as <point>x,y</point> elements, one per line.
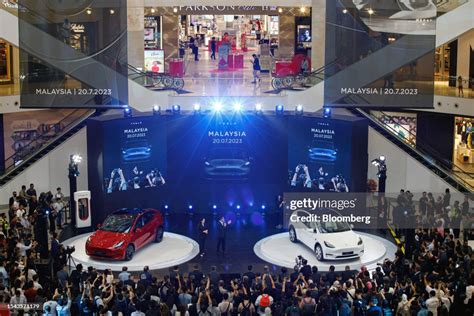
<point>430,155</point>
<point>49,133</point>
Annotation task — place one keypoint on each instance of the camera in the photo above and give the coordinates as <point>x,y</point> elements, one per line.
<point>301,166</point>
<point>299,261</point>
<point>69,250</point>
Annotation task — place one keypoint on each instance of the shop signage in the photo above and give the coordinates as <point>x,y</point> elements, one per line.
<point>77,28</point>
<point>225,9</point>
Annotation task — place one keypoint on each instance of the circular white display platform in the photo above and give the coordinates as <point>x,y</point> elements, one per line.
<point>173,250</point>
<point>279,250</point>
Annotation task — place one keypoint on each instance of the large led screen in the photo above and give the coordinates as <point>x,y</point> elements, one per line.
<point>134,155</point>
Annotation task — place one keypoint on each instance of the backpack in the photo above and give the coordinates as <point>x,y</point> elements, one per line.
<point>265,300</point>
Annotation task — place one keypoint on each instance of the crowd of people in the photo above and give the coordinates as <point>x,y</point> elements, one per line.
<point>435,278</point>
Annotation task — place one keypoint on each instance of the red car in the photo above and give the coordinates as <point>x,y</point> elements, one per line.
<point>124,232</point>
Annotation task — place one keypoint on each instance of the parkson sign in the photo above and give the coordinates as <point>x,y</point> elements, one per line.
<point>222,8</point>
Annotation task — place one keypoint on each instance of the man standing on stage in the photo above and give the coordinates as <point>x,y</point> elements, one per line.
<point>221,233</point>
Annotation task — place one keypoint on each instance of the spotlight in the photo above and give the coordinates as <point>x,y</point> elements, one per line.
<point>156,109</point>
<point>127,112</point>
<point>302,9</point>
<point>176,109</point>
<point>214,207</point>
<point>197,108</point>
<point>190,206</point>
<point>263,206</point>
<point>299,109</point>
<point>166,206</point>
<point>112,11</point>
<point>153,10</point>
<point>238,206</point>
<point>175,9</point>
<point>279,109</point>
<point>344,11</point>
<point>217,106</point>
<point>89,11</point>
<point>76,158</point>
<point>280,10</point>
<point>326,112</point>
<point>258,108</point>
<point>237,107</point>
<point>370,11</point>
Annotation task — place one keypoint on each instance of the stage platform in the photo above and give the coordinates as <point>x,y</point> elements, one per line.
<point>279,250</point>
<point>173,250</point>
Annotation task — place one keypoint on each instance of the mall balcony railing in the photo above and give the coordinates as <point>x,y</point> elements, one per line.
<point>47,139</point>
<point>425,154</point>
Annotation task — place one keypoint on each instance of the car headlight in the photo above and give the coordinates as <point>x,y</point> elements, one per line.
<point>359,242</point>
<point>247,163</point>
<point>329,245</point>
<point>118,245</point>
<point>207,163</point>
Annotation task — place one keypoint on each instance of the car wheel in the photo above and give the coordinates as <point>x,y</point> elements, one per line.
<point>129,252</point>
<point>293,237</point>
<point>159,234</point>
<point>318,251</point>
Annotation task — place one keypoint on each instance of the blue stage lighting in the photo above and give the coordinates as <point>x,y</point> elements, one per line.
<point>238,207</point>
<point>279,109</point>
<point>190,206</point>
<point>327,112</point>
<point>258,108</point>
<point>263,206</point>
<point>237,107</point>
<point>217,106</point>
<point>166,206</point>
<point>299,109</point>
<point>214,207</point>
<point>127,112</point>
<point>176,109</point>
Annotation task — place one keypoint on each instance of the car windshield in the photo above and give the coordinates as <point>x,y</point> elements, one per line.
<point>228,153</point>
<point>333,227</point>
<point>118,223</point>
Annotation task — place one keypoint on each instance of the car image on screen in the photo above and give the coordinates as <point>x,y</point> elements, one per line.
<point>227,162</point>
<point>136,150</point>
<point>329,240</point>
<point>124,232</point>
<point>322,151</point>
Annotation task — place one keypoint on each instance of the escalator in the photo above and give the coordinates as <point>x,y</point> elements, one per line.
<point>426,155</point>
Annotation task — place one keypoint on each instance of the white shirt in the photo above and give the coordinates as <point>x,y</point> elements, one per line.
<point>19,213</point>
<point>138,313</point>
<point>52,305</point>
<point>23,248</point>
<point>432,304</point>
<point>18,300</point>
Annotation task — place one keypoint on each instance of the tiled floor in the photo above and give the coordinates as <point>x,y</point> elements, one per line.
<point>442,88</point>
<point>202,78</point>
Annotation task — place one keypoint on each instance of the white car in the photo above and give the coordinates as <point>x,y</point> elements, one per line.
<point>329,240</point>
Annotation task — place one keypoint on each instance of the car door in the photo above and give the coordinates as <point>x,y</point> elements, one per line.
<point>148,226</point>
<point>306,230</point>
<point>139,233</point>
